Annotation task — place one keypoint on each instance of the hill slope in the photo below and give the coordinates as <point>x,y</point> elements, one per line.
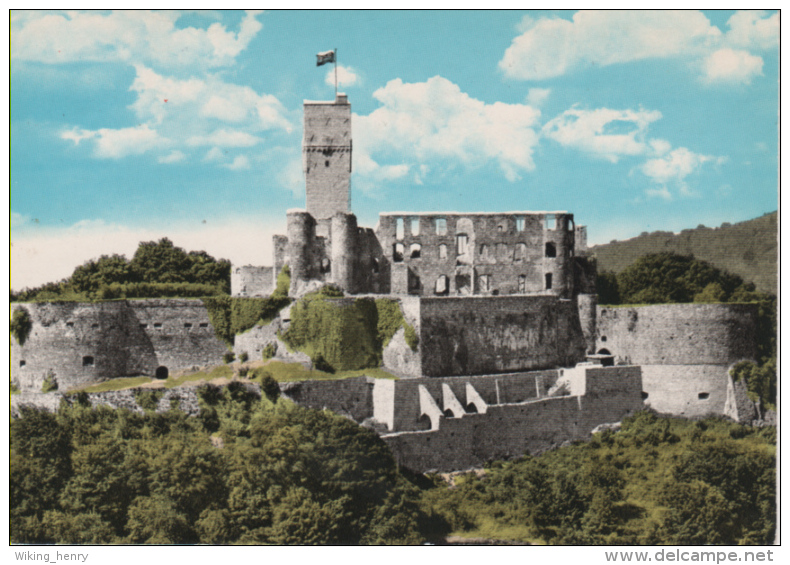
<point>747,249</point>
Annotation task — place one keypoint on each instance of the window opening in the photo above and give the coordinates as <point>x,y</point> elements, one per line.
<point>69,324</point>
<point>703,395</point>
<point>87,361</point>
<point>442,251</point>
<point>484,252</point>
<point>551,222</point>
<point>461,244</point>
<point>485,283</point>
<point>441,226</point>
<point>415,226</point>
<point>442,286</point>
<point>22,363</point>
<point>520,221</point>
<point>143,326</point>
<point>548,281</point>
<point>551,249</point>
<point>158,325</point>
<point>94,325</point>
<point>399,228</point>
<point>521,252</point>
<point>375,265</point>
<point>414,250</point>
<point>397,253</point>
<point>161,373</point>
<point>644,395</point>
<point>204,324</point>
<point>188,325</point>
<point>522,283</point>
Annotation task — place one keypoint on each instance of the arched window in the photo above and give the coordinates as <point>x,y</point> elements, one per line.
<point>326,265</point>
<point>484,252</point>
<point>441,226</point>
<point>551,249</point>
<point>414,250</point>
<point>399,228</point>
<point>161,373</point>
<point>442,251</point>
<point>415,226</point>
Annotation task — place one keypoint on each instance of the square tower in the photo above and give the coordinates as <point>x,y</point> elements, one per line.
<point>326,156</point>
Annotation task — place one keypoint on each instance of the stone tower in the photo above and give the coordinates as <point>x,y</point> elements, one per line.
<point>326,156</point>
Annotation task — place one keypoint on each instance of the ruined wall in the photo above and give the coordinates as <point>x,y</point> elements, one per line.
<point>461,254</point>
<point>480,335</point>
<point>252,281</point>
<point>511,430</point>
<point>686,390</point>
<point>80,343</point>
<point>348,397</point>
<point>679,334</point>
<point>326,156</point>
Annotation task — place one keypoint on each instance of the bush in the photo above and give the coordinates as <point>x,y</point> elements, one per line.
<point>320,364</point>
<point>147,399</point>
<point>21,325</point>
<point>50,383</point>
<point>269,387</point>
<point>243,371</point>
<point>269,351</point>
<point>228,357</point>
<point>243,357</point>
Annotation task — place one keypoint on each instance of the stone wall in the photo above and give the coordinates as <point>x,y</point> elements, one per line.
<point>489,254</point>
<point>80,343</point>
<point>252,281</point>
<point>686,390</point>
<point>479,335</point>
<point>348,397</point>
<point>678,334</point>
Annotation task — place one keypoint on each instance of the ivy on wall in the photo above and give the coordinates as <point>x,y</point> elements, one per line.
<point>21,325</point>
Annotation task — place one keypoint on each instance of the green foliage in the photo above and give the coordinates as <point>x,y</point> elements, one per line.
<point>20,325</point>
<point>50,383</point>
<point>283,283</point>
<point>345,335</point>
<point>670,278</point>
<point>606,287</point>
<point>283,474</point>
<point>411,337</point>
<point>13,389</point>
<point>148,398</point>
<point>244,357</point>
<point>234,315</point>
<point>747,249</point>
<point>157,270</point>
<point>269,387</point>
<point>658,480</point>
<point>228,357</point>
<point>269,351</point>
<point>760,380</point>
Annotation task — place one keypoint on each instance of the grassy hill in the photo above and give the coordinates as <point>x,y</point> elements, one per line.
<point>747,249</point>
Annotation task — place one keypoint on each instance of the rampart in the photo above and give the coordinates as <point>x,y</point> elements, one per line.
<point>685,351</point>
<point>481,335</point>
<point>80,343</point>
<point>508,430</point>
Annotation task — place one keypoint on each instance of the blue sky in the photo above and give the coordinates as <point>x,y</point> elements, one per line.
<point>130,126</point>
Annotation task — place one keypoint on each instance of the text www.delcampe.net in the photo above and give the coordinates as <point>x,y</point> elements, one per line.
<point>664,555</point>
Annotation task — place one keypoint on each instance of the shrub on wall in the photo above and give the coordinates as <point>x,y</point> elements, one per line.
<point>345,335</point>
<point>21,325</point>
<point>50,383</point>
<point>147,399</point>
<point>269,351</point>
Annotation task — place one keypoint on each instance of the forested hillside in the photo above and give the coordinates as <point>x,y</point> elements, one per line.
<point>747,249</point>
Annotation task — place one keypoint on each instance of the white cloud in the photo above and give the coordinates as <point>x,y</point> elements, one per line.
<point>435,121</point>
<point>673,168</point>
<point>346,76</point>
<point>40,255</point>
<point>537,96</point>
<point>214,154</point>
<point>181,114</point>
<point>609,134</point>
<point>117,143</point>
<point>550,46</point>
<point>240,163</point>
<point>753,29</point>
<point>126,36</point>
<point>731,66</point>
<point>174,157</point>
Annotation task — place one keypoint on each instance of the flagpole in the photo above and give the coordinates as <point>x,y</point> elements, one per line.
<point>335,73</point>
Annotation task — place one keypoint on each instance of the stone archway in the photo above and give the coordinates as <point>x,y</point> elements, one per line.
<point>161,372</point>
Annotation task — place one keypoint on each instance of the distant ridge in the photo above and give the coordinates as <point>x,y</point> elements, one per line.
<point>747,249</point>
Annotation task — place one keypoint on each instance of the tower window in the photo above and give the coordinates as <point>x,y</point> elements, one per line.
<point>188,326</point>
<point>326,163</point>
<point>22,363</point>
<point>399,228</point>
<point>551,222</point>
<point>158,325</point>
<point>204,324</point>
<point>442,286</point>
<point>415,226</point>
<point>551,249</point>
<point>441,226</point>
<point>548,281</point>
<point>87,361</point>
<point>520,221</point>
<point>442,251</point>
<point>703,395</point>
<point>69,324</point>
<point>414,251</point>
<point>522,283</point>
